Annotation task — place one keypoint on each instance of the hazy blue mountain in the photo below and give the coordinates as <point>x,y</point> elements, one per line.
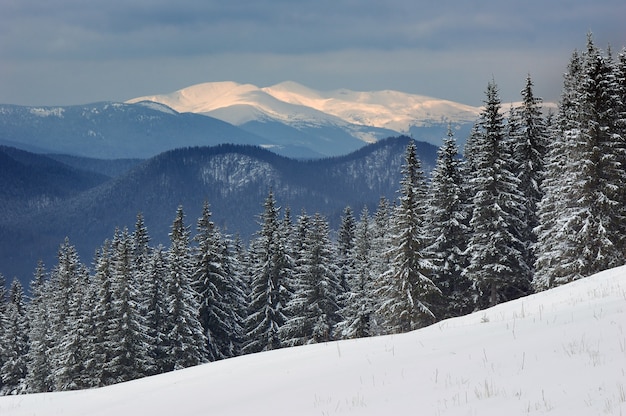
<point>30,183</point>
<point>234,179</point>
<point>113,130</point>
<point>108,167</point>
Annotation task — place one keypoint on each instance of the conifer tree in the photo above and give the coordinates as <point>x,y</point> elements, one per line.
<point>407,290</point>
<point>560,178</point>
<point>269,274</point>
<point>141,250</point>
<point>14,342</point>
<point>345,246</point>
<point>585,228</point>
<point>221,295</point>
<point>39,375</point>
<point>103,315</point>
<point>314,309</point>
<point>381,236</point>
<point>498,263</point>
<point>529,152</point>
<point>3,309</point>
<point>528,133</point>
<point>66,354</point>
<point>155,285</point>
<point>358,306</point>
<point>185,340</point>
<point>73,349</point>
<point>130,353</point>
<point>447,231</point>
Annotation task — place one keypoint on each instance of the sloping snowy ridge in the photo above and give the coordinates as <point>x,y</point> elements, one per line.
<point>560,352</point>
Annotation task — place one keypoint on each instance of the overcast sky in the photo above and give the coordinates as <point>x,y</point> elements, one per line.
<point>61,52</point>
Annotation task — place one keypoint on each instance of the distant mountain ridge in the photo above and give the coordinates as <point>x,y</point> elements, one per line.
<point>289,119</point>
<point>366,116</point>
<point>292,102</point>
<point>113,130</point>
<point>234,179</point>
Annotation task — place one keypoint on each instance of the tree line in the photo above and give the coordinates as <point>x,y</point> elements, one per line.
<point>537,201</point>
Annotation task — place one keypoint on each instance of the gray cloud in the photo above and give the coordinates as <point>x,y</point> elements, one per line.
<point>75,51</point>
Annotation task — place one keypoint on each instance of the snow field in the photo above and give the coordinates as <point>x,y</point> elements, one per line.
<point>559,352</point>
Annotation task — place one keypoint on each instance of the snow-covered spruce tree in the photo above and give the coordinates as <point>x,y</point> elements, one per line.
<point>529,140</point>
<point>620,124</point>
<point>155,298</point>
<point>358,305</point>
<point>103,315</point>
<point>345,247</point>
<point>221,295</point>
<point>67,329</point>
<point>130,350</point>
<point>530,144</point>
<point>406,289</point>
<point>75,347</point>
<point>314,309</point>
<point>590,219</point>
<point>497,267</point>
<point>560,180</point>
<point>3,308</point>
<point>185,341</point>
<point>447,232</point>
<point>381,236</point>
<point>269,272</point>
<point>14,342</point>
<point>141,251</point>
<point>38,377</point>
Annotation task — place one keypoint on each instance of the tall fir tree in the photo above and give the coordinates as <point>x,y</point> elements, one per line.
<point>73,348</point>
<point>530,144</point>
<point>130,353</point>
<point>39,375</point>
<point>269,269</point>
<point>221,295</point>
<point>185,340</point>
<point>359,301</point>
<point>345,247</point>
<point>498,264</point>
<point>103,315</point>
<point>155,286</point>
<point>447,231</point>
<point>66,353</point>
<point>14,342</point>
<point>407,290</point>
<point>3,309</point>
<point>314,309</point>
<point>561,176</point>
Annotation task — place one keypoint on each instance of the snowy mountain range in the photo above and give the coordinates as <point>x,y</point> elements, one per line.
<point>558,352</point>
<point>365,116</point>
<point>287,118</point>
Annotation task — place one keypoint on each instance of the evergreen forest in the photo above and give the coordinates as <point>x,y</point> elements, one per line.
<point>536,200</point>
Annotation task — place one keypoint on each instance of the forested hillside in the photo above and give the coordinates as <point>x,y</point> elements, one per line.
<point>234,179</point>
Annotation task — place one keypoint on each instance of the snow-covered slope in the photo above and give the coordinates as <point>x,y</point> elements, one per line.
<point>384,112</point>
<point>560,352</point>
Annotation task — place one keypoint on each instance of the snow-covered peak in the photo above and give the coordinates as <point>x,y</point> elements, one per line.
<point>293,102</point>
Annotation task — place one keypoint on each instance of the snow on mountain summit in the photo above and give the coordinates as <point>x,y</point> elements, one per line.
<point>289,101</point>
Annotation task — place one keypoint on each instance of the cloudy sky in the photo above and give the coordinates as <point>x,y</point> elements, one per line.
<point>61,52</point>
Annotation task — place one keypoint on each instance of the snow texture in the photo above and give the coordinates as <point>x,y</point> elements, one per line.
<point>559,352</point>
